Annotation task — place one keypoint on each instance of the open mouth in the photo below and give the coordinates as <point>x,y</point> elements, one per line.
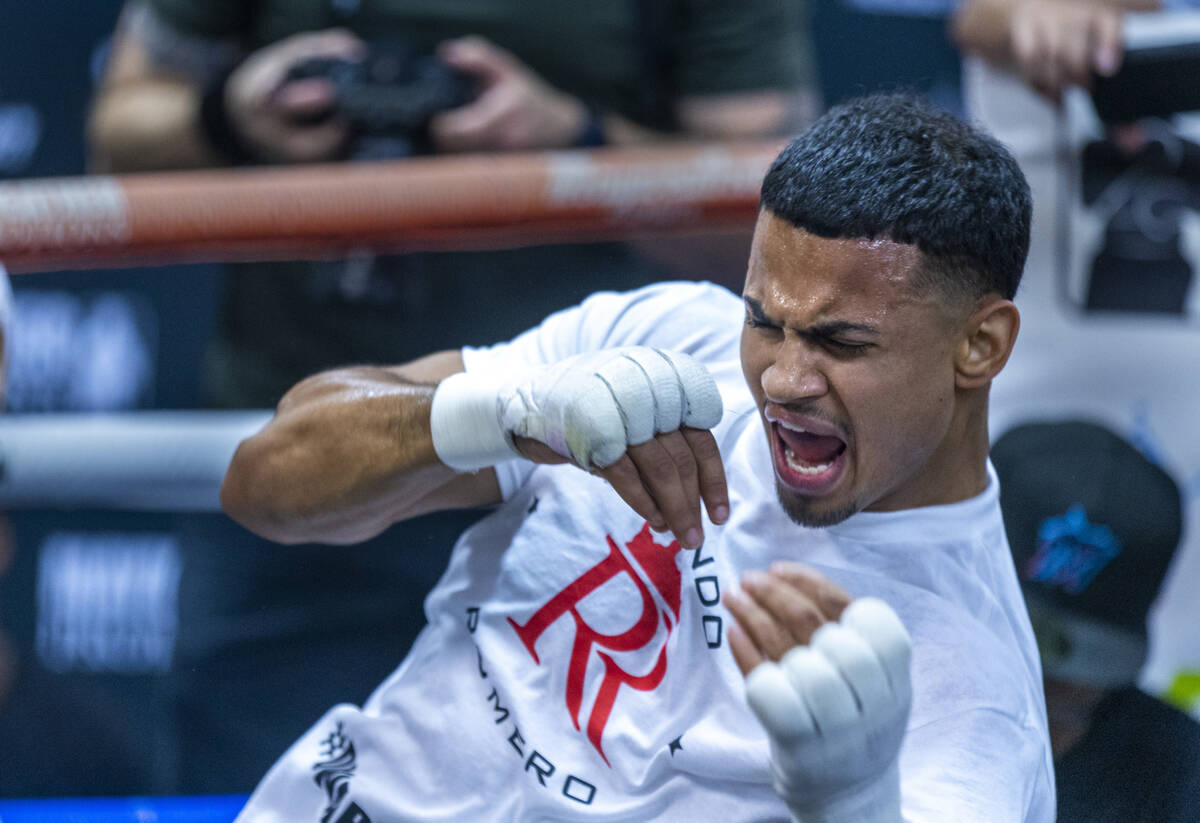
<point>808,462</point>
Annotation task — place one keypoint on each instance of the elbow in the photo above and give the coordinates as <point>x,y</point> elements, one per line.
<point>251,499</point>
<point>264,492</point>
<point>149,126</point>
<point>113,140</point>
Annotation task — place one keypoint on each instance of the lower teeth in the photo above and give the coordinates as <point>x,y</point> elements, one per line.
<point>803,468</point>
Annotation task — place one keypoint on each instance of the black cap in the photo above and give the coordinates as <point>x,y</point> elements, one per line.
<point>1093,525</point>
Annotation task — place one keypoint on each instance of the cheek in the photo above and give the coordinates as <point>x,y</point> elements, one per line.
<point>755,360</point>
<point>903,410</point>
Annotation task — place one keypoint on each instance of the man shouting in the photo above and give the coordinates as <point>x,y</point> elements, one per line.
<point>746,560</point>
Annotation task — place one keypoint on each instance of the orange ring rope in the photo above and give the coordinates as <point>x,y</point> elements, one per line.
<point>419,204</point>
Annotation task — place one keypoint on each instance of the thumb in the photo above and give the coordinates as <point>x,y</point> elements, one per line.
<point>537,451</point>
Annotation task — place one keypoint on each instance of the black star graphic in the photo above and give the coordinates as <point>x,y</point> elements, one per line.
<point>532,506</point>
<point>676,745</point>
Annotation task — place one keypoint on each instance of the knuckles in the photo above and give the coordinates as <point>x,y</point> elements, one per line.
<point>809,670</point>
<point>803,617</point>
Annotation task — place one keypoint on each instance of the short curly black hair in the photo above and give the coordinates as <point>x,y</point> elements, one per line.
<point>893,166</point>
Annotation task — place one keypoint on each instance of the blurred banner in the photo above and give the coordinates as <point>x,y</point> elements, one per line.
<point>215,809</point>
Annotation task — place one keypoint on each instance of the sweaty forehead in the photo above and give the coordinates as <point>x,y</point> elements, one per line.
<point>794,270</point>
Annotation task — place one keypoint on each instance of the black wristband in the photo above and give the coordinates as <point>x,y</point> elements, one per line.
<point>593,132</point>
<point>215,123</point>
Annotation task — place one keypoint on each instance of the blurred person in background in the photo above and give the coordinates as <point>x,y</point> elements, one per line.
<point>1056,45</point>
<point>1093,526</point>
<point>1114,244</point>
<point>202,83</point>
<point>1051,44</point>
<point>714,73</point>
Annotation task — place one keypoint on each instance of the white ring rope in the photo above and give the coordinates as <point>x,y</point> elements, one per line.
<point>137,461</point>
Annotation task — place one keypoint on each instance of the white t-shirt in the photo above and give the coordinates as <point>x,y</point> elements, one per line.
<point>575,663</point>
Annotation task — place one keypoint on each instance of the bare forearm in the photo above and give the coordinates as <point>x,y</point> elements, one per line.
<point>724,117</point>
<point>983,27</point>
<point>150,126</point>
<point>347,454</point>
<point>1133,5</point>
<point>143,117</point>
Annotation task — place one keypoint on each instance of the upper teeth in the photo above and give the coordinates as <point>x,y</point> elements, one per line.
<point>795,465</point>
<point>791,427</point>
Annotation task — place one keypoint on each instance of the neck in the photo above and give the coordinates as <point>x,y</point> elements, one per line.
<point>960,462</point>
<point>977,443</point>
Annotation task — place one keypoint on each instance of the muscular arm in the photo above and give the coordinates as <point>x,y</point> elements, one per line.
<point>350,452</point>
<point>347,454</point>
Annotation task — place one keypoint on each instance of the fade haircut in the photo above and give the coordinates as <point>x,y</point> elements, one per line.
<point>892,166</point>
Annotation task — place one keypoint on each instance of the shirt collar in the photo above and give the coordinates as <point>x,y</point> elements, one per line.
<point>975,514</point>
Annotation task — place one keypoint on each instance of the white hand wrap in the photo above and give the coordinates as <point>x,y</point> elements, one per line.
<point>589,408</point>
<point>835,712</point>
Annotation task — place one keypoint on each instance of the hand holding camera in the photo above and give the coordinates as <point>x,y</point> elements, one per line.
<point>387,98</point>
<point>515,110</point>
<point>328,95</point>
<point>280,121</point>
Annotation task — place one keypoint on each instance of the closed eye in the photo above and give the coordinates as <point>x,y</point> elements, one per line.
<point>756,318</point>
<point>824,334</point>
<point>842,347</point>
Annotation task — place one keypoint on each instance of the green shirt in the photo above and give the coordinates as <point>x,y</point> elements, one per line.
<point>596,51</point>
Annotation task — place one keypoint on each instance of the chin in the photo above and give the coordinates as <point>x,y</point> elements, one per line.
<point>813,513</point>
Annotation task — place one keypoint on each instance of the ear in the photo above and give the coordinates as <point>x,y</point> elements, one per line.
<point>988,338</point>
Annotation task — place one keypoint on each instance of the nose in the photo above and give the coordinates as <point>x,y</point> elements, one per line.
<point>794,374</point>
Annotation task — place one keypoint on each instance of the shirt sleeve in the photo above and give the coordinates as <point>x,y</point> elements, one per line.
<point>700,319</point>
<point>174,44</point>
<point>726,47</point>
<point>204,18</point>
<point>979,765</point>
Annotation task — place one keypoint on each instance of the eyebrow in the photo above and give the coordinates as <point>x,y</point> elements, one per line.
<point>829,328</point>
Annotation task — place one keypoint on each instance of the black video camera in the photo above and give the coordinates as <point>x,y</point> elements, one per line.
<point>389,97</point>
<point>1159,72</point>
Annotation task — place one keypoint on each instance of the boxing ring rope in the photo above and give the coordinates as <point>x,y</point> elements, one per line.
<point>417,204</point>
<point>174,461</point>
<point>140,461</point>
